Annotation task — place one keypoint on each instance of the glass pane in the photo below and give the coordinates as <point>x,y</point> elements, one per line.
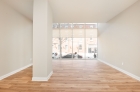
<point>78,26</point>
<point>66,48</point>
<point>55,48</point>
<point>91,33</point>
<point>66,33</point>
<point>79,48</point>
<point>65,30</point>
<point>91,26</point>
<point>56,33</point>
<point>78,33</point>
<point>91,48</point>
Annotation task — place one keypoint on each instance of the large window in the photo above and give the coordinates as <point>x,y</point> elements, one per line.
<point>74,41</point>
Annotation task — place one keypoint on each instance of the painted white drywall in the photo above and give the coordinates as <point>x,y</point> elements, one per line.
<point>42,39</point>
<point>119,40</point>
<point>15,40</point>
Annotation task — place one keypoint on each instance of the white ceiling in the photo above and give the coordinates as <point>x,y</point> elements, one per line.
<point>24,7</point>
<point>87,11</point>
<point>77,11</point>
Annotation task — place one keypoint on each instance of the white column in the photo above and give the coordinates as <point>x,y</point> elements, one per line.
<point>42,41</point>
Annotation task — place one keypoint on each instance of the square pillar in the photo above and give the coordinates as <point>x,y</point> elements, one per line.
<point>42,41</point>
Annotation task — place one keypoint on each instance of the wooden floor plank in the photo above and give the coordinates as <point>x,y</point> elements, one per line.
<point>73,76</point>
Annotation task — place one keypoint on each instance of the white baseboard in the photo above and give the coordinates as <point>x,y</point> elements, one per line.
<point>16,71</point>
<point>121,70</point>
<point>42,78</point>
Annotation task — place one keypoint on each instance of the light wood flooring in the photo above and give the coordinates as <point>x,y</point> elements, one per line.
<point>73,76</point>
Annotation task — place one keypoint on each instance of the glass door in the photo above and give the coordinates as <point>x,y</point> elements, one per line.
<point>79,48</point>
<point>66,48</point>
<point>91,48</point>
<point>56,48</point>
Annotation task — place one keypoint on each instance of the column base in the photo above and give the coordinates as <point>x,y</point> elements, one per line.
<point>42,78</point>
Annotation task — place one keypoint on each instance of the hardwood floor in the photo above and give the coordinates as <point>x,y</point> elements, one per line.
<point>73,76</point>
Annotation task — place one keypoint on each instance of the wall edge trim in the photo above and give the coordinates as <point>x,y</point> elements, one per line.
<point>14,72</point>
<point>121,70</point>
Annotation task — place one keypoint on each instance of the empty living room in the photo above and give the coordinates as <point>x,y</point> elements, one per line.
<point>69,45</point>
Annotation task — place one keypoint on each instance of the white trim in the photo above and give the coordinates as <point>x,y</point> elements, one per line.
<point>42,78</point>
<point>121,70</point>
<point>16,71</point>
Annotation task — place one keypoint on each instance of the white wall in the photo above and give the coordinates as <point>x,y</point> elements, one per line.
<point>42,40</point>
<point>119,40</point>
<point>15,40</point>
